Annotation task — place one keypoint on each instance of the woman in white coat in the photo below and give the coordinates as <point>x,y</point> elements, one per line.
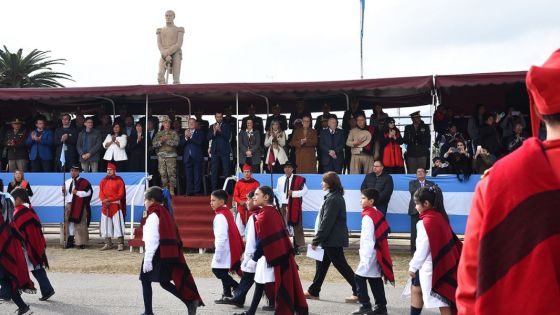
<point>275,141</point>
<point>115,144</point>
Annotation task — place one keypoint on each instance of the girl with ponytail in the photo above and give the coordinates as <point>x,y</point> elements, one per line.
<point>434,266</point>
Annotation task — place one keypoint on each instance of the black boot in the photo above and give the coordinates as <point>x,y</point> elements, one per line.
<point>70,242</point>
<point>362,310</point>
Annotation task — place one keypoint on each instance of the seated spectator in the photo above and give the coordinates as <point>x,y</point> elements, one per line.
<point>16,150</point>
<point>483,160</point>
<point>40,141</point>
<point>440,167</point>
<point>324,116</point>
<point>390,148</point>
<point>136,147</point>
<point>450,139</point>
<point>515,140</point>
<point>276,115</point>
<point>115,144</point>
<point>89,147</point>
<point>489,136</point>
<point>275,141</point>
<point>460,161</point>
<point>19,181</point>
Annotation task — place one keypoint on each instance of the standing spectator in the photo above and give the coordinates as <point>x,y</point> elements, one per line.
<point>40,141</point>
<point>128,125</point>
<point>325,115</point>
<point>276,115</point>
<point>203,126</point>
<point>331,146</point>
<point>275,141</point>
<point>516,140</point>
<point>115,144</point>
<point>153,123</point>
<point>417,140</point>
<point>291,189</point>
<point>136,147</point>
<point>16,150</point>
<point>89,146</point>
<point>79,122</point>
<point>191,142</point>
<point>220,150</point>
<point>250,147</point>
<point>105,124</point>
<point>361,141</point>
<point>347,149</point>
<point>507,124</point>
<point>325,126</point>
<point>413,186</point>
<point>483,160</point>
<point>353,112</point>
<point>440,167</point>
<point>390,148</point>
<point>460,161</point>
<point>165,142</point>
<point>474,124</point>
<point>19,181</point>
<point>332,236</point>
<point>305,141</point>
<point>489,136</point>
<point>298,114</point>
<point>65,139</point>
<point>232,121</point>
<point>378,121</point>
<point>382,182</point>
<point>257,121</point>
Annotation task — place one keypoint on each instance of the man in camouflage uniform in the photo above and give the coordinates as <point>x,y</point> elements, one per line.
<point>165,142</point>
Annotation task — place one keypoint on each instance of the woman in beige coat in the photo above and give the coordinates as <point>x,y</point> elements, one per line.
<point>305,141</point>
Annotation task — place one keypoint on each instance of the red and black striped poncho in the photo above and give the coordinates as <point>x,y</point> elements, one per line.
<point>29,226</point>
<point>382,254</point>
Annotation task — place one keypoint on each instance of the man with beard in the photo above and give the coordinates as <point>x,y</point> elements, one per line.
<point>77,211</point>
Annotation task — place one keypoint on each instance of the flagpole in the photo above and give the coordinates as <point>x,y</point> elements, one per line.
<point>362,9</point>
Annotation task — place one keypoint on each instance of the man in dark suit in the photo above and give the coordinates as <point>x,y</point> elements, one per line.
<point>278,117</point>
<point>250,147</point>
<point>413,186</point>
<point>191,142</point>
<point>40,141</point>
<point>219,133</point>
<point>382,182</point>
<point>298,114</point>
<point>417,139</point>
<point>65,139</point>
<point>153,124</point>
<point>331,145</point>
<point>325,115</point>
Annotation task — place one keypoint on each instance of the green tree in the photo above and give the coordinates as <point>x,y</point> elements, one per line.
<point>32,70</point>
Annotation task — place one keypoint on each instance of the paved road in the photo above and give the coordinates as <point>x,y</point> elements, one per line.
<point>86,294</point>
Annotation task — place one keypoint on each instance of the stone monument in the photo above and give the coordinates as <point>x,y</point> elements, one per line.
<point>170,40</point>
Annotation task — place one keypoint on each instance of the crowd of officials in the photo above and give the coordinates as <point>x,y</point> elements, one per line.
<point>202,154</point>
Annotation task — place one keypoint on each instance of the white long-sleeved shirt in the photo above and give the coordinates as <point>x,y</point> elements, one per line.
<point>250,245</point>
<point>222,255</point>
<point>150,236</point>
<point>81,194</point>
<point>368,266</point>
<point>281,193</point>
<point>422,255</point>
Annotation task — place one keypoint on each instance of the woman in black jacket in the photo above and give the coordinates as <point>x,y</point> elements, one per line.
<point>136,147</point>
<point>332,236</point>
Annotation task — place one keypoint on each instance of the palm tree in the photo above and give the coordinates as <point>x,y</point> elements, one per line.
<point>33,70</point>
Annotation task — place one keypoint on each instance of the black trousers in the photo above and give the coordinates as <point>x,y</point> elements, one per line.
<point>8,293</point>
<point>228,284</point>
<point>243,288</point>
<point>336,256</point>
<point>413,220</point>
<point>377,289</point>
<point>147,293</point>
<point>44,283</point>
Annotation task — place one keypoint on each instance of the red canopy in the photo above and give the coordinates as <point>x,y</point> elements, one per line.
<point>390,92</point>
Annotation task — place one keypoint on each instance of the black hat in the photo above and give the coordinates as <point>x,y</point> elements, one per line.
<point>289,164</point>
<point>76,167</point>
<point>415,114</point>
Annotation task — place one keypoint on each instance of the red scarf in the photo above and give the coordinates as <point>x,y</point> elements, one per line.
<point>242,188</point>
<point>12,258</point>
<point>235,240</point>
<point>28,224</point>
<point>278,252</point>
<point>392,153</point>
<point>78,203</point>
<point>382,252</point>
<point>295,204</point>
<point>271,158</point>
<point>445,248</point>
<point>171,252</point>
<point>516,251</point>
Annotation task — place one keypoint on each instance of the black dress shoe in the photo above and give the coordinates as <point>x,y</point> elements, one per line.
<point>46,296</point>
<point>222,300</point>
<point>242,313</point>
<point>24,310</point>
<point>362,310</point>
<point>379,310</point>
<point>269,308</point>
<point>232,301</point>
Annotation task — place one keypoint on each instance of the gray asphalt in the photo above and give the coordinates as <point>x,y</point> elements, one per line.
<point>122,294</point>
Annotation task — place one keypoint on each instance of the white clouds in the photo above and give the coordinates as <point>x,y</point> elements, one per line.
<point>114,42</point>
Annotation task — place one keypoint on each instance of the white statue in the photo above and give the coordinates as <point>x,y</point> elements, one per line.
<point>170,40</point>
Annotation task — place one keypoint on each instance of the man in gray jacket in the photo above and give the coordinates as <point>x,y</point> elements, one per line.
<point>413,186</point>
<point>88,146</point>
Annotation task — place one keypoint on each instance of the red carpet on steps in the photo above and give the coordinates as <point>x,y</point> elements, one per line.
<point>194,218</point>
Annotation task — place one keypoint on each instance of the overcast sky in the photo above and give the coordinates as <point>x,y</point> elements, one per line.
<point>114,42</point>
